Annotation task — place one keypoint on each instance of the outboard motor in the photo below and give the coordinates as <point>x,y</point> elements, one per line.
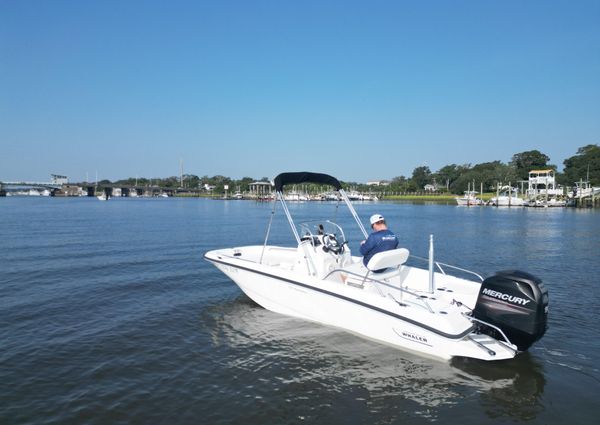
<point>517,303</point>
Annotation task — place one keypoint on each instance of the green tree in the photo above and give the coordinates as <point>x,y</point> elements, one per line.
<point>448,174</point>
<point>191,181</point>
<point>400,180</point>
<point>244,183</point>
<point>488,174</point>
<point>170,182</point>
<point>398,184</point>
<point>420,177</point>
<point>524,162</point>
<point>585,162</point>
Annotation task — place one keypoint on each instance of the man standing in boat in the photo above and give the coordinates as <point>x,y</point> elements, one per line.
<point>382,239</point>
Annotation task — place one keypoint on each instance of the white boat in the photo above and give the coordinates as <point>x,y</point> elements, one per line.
<point>550,202</point>
<point>508,197</point>
<point>330,196</point>
<point>103,197</point>
<point>468,199</point>
<point>353,195</point>
<point>295,196</point>
<point>433,313</point>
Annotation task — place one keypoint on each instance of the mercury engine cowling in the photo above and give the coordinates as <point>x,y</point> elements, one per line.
<point>517,303</point>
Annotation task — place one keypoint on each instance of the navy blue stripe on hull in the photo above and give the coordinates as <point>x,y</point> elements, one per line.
<point>352,300</point>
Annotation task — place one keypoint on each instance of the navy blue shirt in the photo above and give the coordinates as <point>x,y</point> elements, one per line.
<point>384,240</point>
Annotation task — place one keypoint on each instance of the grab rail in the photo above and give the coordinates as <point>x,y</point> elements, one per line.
<point>379,282</point>
<point>441,269</point>
<point>473,319</point>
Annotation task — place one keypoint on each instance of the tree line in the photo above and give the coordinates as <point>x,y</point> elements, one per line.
<point>456,178</point>
<point>453,178</point>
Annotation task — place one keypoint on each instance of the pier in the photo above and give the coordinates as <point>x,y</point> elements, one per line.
<point>591,201</point>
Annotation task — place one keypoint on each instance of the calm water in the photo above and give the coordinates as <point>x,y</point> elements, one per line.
<point>109,314</point>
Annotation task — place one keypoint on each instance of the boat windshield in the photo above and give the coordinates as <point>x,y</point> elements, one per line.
<point>310,229</point>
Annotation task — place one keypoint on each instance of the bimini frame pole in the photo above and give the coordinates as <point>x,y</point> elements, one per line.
<point>307,256</point>
<point>268,231</point>
<point>353,212</point>
<point>288,215</point>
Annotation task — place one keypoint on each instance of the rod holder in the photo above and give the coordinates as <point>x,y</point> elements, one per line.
<point>431,273</point>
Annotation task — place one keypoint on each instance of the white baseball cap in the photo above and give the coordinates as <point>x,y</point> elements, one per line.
<point>375,218</point>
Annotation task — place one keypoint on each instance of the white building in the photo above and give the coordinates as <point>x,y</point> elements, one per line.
<point>542,183</point>
<point>261,189</point>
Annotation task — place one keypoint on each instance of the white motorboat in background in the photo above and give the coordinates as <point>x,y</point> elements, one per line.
<point>354,195</point>
<point>508,197</point>
<point>469,199</point>
<point>330,196</point>
<point>434,311</point>
<point>550,202</point>
<point>295,196</point>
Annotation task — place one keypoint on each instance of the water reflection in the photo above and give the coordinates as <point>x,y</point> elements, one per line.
<point>522,399</point>
<point>296,358</point>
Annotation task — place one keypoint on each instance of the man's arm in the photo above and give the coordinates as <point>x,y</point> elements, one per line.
<point>367,246</point>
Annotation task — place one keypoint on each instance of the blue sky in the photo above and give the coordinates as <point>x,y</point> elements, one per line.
<point>362,90</point>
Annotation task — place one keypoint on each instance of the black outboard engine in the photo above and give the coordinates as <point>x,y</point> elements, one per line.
<point>517,303</point>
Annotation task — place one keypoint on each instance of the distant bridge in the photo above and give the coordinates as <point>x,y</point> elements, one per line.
<point>9,187</point>
<point>30,185</point>
<point>57,183</point>
<point>63,188</point>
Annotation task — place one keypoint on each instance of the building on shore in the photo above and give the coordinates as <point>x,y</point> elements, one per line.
<point>261,190</point>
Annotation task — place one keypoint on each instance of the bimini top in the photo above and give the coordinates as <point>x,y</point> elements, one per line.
<point>305,177</point>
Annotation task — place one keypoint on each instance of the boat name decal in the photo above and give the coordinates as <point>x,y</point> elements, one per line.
<point>414,336</point>
<point>505,297</point>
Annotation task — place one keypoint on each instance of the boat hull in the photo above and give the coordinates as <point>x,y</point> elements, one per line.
<point>505,201</point>
<point>376,318</point>
<point>463,202</point>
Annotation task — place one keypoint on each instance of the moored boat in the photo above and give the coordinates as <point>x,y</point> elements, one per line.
<point>508,197</point>
<point>469,199</point>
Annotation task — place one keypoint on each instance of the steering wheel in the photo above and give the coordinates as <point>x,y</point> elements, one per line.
<point>331,244</point>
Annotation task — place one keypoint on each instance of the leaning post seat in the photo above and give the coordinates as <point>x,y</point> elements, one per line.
<point>386,259</point>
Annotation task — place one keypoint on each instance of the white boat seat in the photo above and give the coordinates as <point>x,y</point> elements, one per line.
<point>386,259</point>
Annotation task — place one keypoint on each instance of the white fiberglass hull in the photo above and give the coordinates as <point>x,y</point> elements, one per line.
<point>505,201</point>
<point>467,202</point>
<point>442,333</point>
